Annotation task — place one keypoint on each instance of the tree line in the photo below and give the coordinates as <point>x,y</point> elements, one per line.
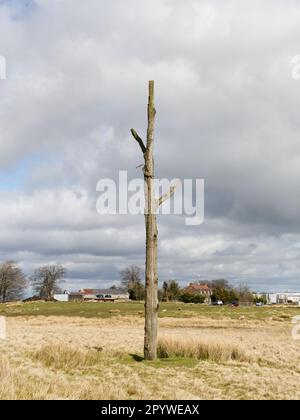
<point>47,280</point>
<point>44,281</point>
<point>131,280</point>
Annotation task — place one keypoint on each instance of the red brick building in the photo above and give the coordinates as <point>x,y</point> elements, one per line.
<point>200,289</point>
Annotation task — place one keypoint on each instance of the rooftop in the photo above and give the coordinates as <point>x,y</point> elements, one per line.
<point>193,287</point>
<point>103,291</point>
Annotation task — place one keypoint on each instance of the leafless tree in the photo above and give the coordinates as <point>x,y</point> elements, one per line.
<point>151,280</point>
<point>45,280</point>
<point>130,274</point>
<point>131,280</point>
<point>12,281</point>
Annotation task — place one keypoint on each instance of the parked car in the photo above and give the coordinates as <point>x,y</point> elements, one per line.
<point>105,298</point>
<point>217,302</point>
<point>235,304</point>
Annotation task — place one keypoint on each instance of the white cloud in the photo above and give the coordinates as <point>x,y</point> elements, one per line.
<point>227,111</point>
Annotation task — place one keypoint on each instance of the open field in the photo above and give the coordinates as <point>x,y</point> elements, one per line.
<point>93,351</point>
<point>170,310</point>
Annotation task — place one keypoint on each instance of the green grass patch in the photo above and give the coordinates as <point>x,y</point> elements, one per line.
<point>171,362</point>
<point>173,310</point>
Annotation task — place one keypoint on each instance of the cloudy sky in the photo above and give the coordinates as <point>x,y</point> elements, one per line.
<point>227,111</point>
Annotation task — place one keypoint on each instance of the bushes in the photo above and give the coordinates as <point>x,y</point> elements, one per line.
<point>170,291</point>
<point>190,298</point>
<point>261,299</point>
<point>225,295</point>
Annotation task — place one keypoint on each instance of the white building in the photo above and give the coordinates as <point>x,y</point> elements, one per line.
<point>61,297</point>
<point>280,298</point>
<point>114,294</point>
<point>293,297</point>
<point>92,294</point>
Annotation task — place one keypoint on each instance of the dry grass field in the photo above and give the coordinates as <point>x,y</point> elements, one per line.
<point>205,353</point>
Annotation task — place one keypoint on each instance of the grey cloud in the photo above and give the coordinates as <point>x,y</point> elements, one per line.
<point>227,112</point>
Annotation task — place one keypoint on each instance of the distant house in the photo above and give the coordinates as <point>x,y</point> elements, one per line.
<point>92,294</point>
<point>114,294</point>
<point>200,289</point>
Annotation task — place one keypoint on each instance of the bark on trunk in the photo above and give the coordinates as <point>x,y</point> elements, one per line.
<point>151,299</point>
<point>151,275</point>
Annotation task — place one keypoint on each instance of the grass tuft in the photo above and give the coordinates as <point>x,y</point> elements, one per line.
<point>66,358</point>
<point>200,350</point>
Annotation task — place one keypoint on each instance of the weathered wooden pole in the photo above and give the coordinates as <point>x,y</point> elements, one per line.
<point>151,298</point>
<point>151,275</point>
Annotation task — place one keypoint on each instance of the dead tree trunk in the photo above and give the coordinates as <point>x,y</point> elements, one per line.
<point>151,275</point>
